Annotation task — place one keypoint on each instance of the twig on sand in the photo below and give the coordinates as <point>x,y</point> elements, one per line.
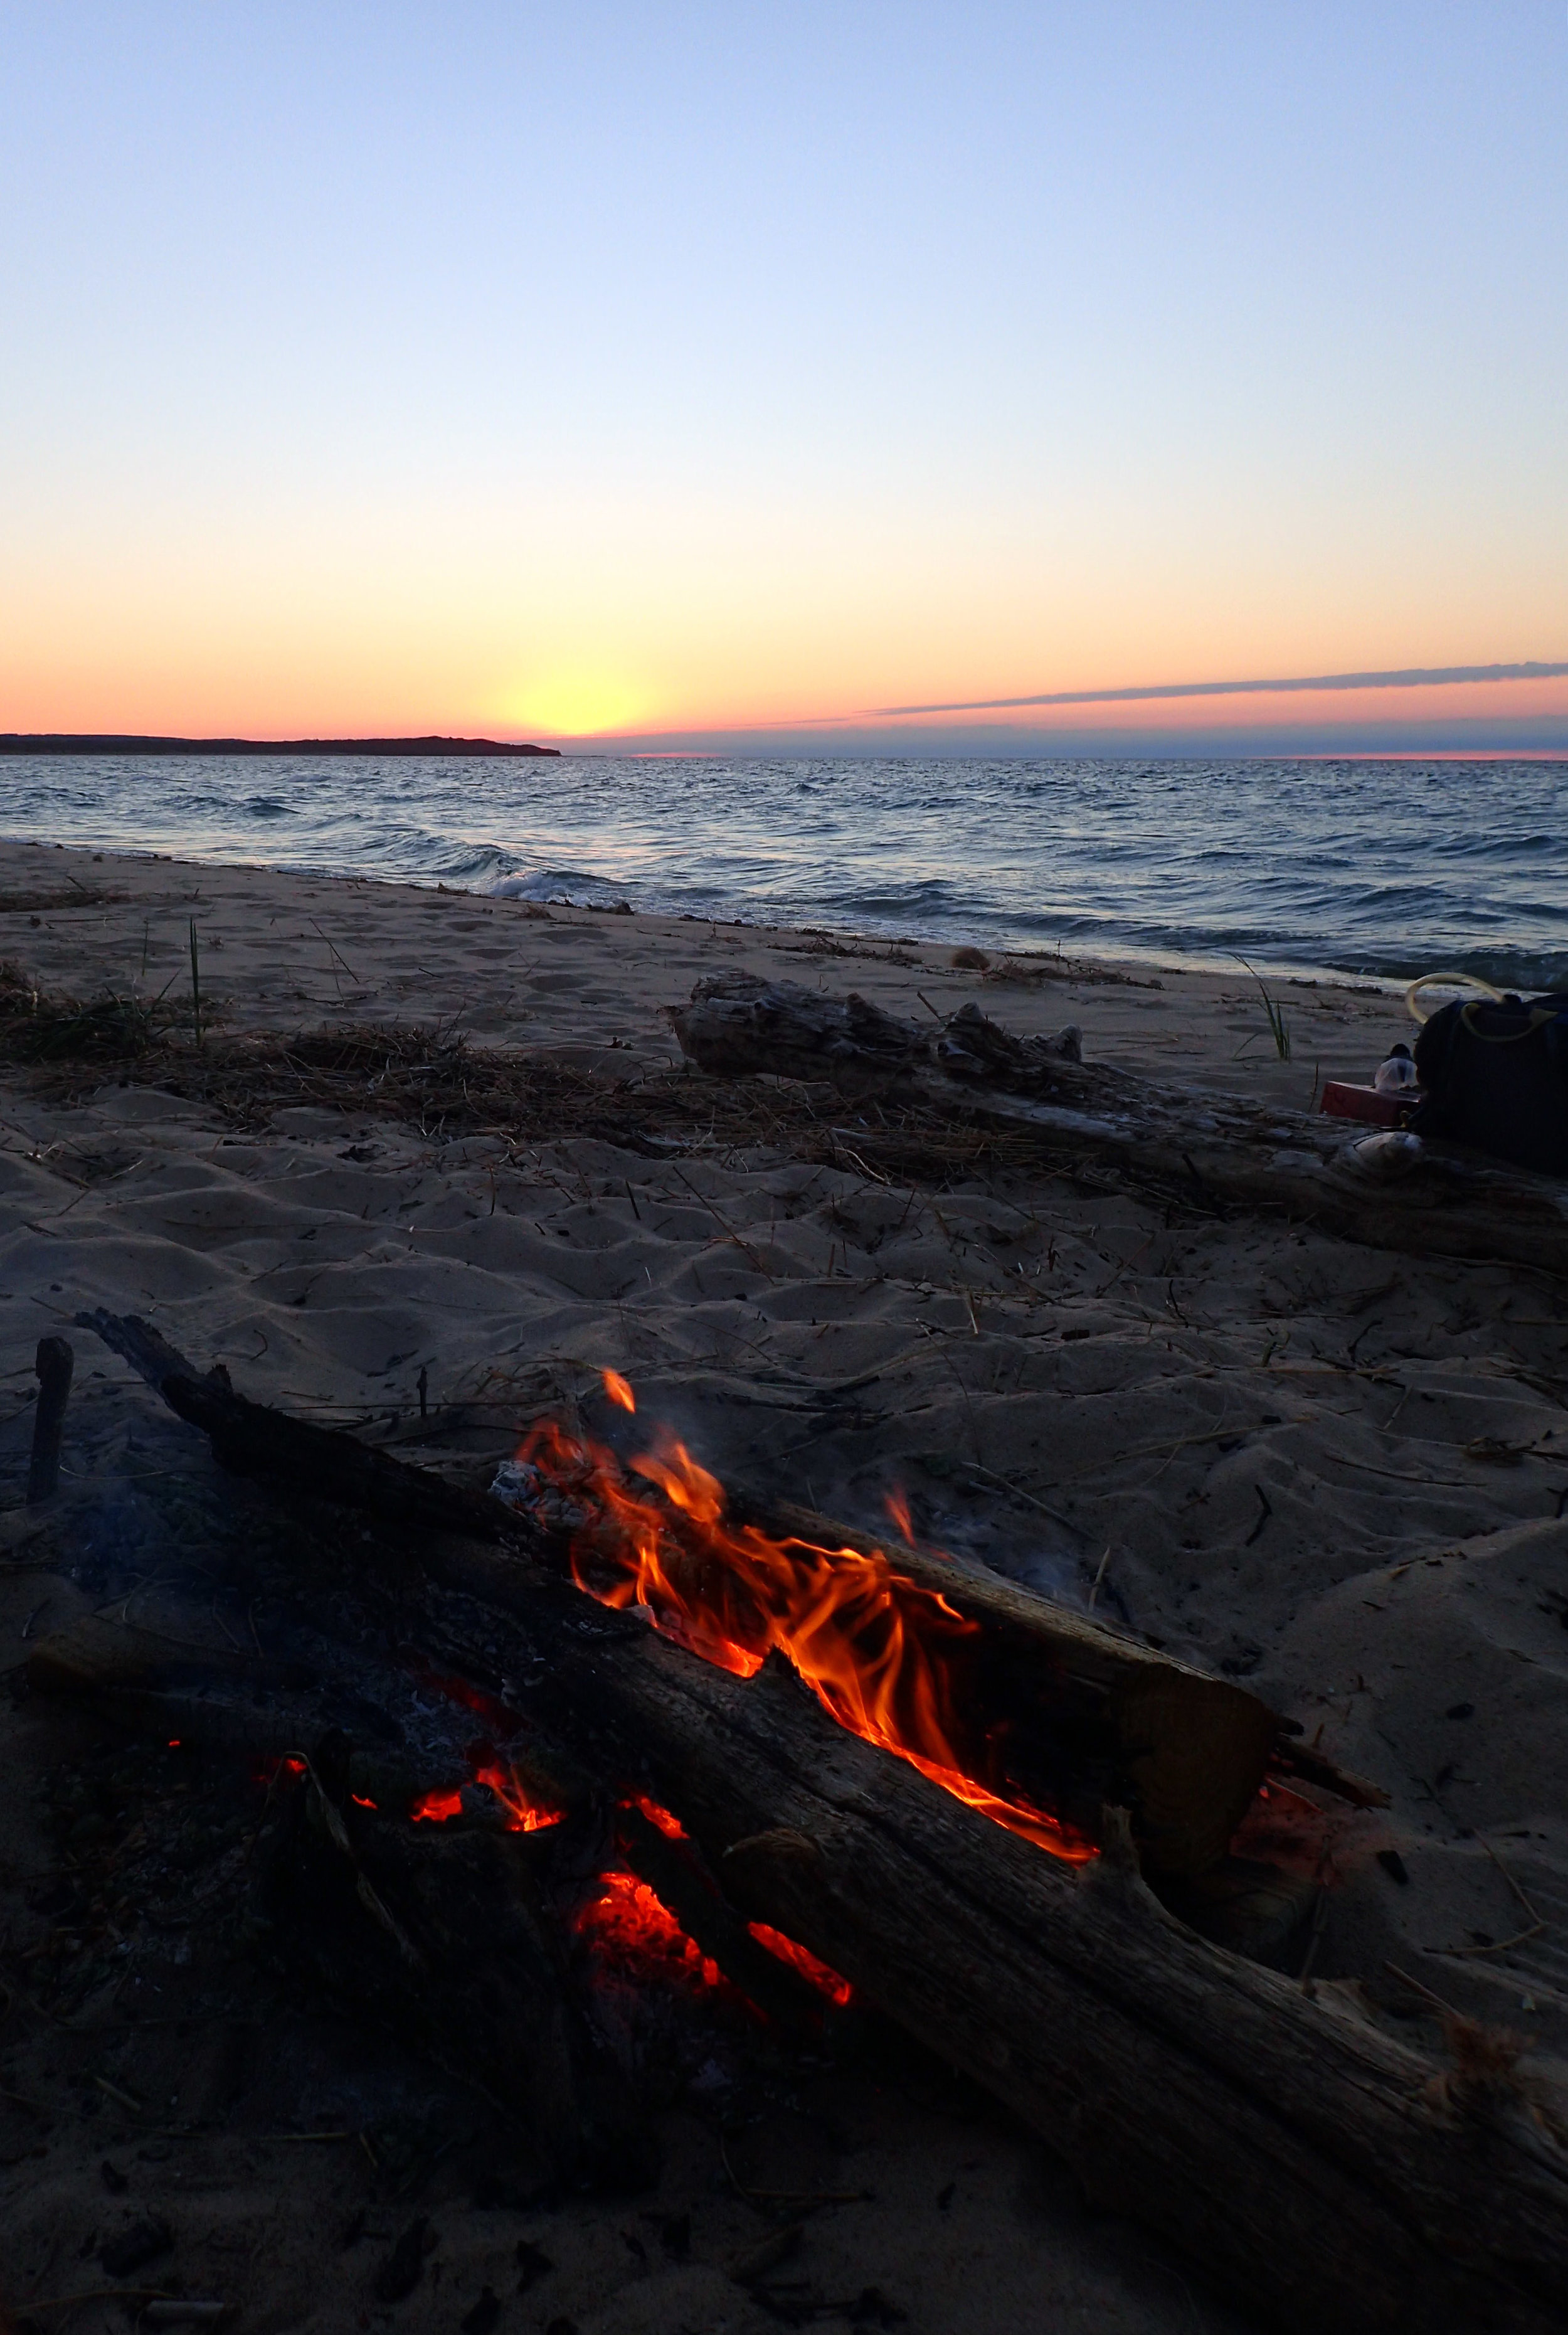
<point>727,1228</point>
<point>338,957</point>
<point>791,2196</point>
<point>1436,2002</point>
<point>103,2294</point>
<point>194,982</point>
<point>1501,1945</point>
<point>1019,1494</point>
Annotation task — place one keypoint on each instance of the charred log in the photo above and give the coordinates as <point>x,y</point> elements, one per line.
<point>1079,1714</point>
<point>1188,1750</point>
<point>444,1936</point>
<point>322,1462</point>
<point>677,1874</point>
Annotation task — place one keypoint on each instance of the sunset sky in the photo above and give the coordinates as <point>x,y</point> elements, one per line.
<point>735,373</point>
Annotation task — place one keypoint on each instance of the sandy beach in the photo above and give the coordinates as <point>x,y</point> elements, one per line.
<point>1335,1472</point>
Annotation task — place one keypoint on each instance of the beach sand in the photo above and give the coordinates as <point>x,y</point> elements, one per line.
<point>1331,1470</point>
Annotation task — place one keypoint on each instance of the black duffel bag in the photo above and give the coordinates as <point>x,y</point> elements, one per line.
<point>1493,1074</point>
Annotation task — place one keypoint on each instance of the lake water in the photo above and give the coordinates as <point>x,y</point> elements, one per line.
<point>1374,867</point>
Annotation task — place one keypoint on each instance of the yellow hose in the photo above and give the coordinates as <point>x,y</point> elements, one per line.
<point>1446,981</point>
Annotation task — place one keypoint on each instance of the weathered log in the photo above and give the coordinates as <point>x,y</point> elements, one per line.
<point>1187,1750</point>
<point>1192,1749</point>
<point>1327,2171</point>
<point>250,1440</point>
<point>1222,1149</point>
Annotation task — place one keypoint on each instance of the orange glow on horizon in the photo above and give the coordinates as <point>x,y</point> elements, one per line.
<point>175,668</point>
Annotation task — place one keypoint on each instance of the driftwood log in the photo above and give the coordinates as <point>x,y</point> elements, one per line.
<point>1216,1150</point>
<point>1187,1752</point>
<point>1329,2174</point>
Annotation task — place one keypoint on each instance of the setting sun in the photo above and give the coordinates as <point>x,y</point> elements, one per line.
<point>578,704</point>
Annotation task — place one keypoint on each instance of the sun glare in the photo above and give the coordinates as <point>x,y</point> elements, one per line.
<point>578,704</point>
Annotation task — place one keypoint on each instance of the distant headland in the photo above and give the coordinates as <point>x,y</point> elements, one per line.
<point>51,741</point>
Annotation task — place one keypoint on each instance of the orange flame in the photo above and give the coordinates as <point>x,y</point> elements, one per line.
<point>878,1649</point>
<point>898,1505</point>
<point>618,1390</point>
<point>523,1815</point>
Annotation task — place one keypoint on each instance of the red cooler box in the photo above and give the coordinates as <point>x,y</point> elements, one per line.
<point>1342,1101</point>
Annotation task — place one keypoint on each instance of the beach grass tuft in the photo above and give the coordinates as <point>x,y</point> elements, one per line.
<point>1279,1028</point>
<point>113,1027</point>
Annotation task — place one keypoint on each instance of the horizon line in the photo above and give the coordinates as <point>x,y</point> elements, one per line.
<point>1410,677</point>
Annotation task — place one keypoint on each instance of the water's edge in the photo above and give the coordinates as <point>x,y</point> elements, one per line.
<point>1375,871</point>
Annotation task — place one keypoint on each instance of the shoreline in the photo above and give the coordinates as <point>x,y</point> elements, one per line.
<point>285,950</point>
<point>1129,963</point>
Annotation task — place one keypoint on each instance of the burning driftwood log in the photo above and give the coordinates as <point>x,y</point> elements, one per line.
<point>1328,2173</point>
<point>1074,1714</point>
<point>1219,1149</point>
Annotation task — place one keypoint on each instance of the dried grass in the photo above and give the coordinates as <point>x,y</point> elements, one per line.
<point>109,1029</point>
<point>66,1048</point>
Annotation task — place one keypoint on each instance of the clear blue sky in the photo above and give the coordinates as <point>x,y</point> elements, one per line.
<point>682,369</point>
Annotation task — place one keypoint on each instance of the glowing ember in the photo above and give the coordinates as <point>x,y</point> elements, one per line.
<point>436,1807</point>
<point>827,1982</point>
<point>523,1815</point>
<point>880,1651</point>
<point>670,1826</point>
<point>897,1506</point>
<point>618,1390</point>
<point>627,1923</point>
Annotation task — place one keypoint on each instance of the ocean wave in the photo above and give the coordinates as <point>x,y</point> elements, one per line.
<point>1381,869</point>
<point>572,887</point>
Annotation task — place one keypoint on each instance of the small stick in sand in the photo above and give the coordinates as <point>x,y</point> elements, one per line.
<point>54,1363</point>
<point>1435,2000</point>
<point>148,2294</point>
<point>1501,1945</point>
